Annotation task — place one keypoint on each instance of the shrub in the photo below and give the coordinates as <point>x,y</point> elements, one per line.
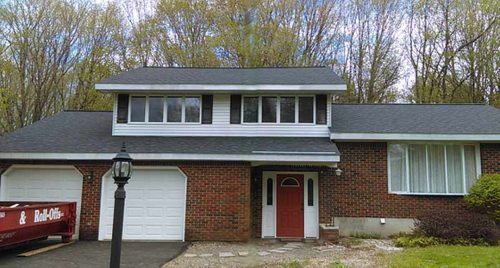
<point>362,235</point>
<point>457,228</point>
<point>416,241</point>
<point>484,196</point>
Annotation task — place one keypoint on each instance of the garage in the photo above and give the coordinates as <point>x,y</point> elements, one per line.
<point>42,183</point>
<point>154,205</point>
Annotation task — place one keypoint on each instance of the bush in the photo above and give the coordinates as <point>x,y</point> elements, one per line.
<point>457,228</point>
<point>484,196</point>
<point>416,241</point>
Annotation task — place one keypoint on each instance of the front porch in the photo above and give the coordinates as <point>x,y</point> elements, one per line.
<point>286,202</point>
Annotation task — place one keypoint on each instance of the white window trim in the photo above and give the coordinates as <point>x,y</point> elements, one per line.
<point>165,110</point>
<point>407,171</point>
<point>278,110</point>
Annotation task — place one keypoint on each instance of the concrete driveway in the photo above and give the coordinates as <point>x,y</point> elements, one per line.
<point>93,254</point>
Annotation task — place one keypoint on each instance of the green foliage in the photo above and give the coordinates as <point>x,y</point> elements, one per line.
<point>297,264</point>
<point>416,241</point>
<point>453,55</point>
<point>484,196</point>
<point>456,227</point>
<point>362,235</point>
<point>445,256</point>
<point>337,264</point>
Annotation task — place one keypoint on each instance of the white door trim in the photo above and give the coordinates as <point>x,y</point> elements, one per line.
<point>310,223</point>
<point>107,175</point>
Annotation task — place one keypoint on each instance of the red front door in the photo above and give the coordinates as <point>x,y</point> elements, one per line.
<point>290,205</point>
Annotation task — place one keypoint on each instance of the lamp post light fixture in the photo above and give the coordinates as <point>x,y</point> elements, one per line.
<point>121,171</point>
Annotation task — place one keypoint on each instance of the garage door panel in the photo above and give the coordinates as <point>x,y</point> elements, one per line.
<point>155,212</point>
<point>134,212</point>
<point>43,183</point>
<point>154,206</point>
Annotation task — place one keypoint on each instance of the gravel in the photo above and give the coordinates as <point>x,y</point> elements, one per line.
<point>350,252</point>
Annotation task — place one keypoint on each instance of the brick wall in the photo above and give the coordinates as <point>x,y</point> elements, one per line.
<point>362,190</point>
<point>218,197</point>
<point>91,198</point>
<point>490,158</point>
<point>218,201</point>
<point>224,199</point>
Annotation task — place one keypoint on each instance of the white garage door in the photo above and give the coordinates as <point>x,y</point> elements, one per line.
<point>42,183</point>
<point>154,205</point>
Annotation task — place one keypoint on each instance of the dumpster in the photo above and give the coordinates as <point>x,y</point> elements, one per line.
<point>25,221</point>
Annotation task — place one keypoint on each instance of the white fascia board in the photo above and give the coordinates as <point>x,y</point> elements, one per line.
<point>334,88</point>
<point>166,156</point>
<point>414,137</point>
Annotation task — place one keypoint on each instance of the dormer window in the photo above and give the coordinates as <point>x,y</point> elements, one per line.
<point>278,109</point>
<point>155,109</point>
<point>165,109</point>
<point>137,109</point>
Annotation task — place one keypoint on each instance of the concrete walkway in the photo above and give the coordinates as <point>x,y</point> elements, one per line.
<point>93,254</point>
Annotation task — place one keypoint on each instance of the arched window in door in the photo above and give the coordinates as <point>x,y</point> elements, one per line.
<point>290,182</point>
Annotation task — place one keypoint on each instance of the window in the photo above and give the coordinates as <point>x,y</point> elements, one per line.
<point>179,109</point>
<point>174,109</point>
<point>310,192</point>
<point>432,168</point>
<point>155,109</point>
<point>269,196</point>
<point>274,109</point>
<point>287,109</point>
<point>192,105</point>
<point>269,109</point>
<point>251,109</point>
<point>290,182</point>
<point>306,110</point>
<point>138,109</point>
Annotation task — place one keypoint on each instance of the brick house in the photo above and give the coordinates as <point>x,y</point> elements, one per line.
<point>229,154</point>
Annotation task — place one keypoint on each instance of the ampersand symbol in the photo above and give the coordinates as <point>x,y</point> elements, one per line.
<point>22,219</point>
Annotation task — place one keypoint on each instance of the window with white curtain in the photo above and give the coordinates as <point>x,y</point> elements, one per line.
<point>432,168</point>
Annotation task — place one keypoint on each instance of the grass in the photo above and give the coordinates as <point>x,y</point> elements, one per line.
<point>306,263</point>
<point>446,256</point>
<point>297,264</point>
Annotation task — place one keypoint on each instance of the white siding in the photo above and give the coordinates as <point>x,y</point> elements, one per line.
<point>221,127</point>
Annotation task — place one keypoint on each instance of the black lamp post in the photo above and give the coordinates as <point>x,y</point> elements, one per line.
<point>121,170</point>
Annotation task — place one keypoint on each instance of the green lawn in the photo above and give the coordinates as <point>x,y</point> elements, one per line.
<point>446,256</point>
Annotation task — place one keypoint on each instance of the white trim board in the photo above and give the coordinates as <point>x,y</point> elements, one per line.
<point>332,88</point>
<point>423,137</point>
<point>172,156</point>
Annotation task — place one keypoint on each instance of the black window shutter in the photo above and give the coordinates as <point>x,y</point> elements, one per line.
<point>321,109</point>
<point>207,103</point>
<point>235,109</point>
<point>122,116</point>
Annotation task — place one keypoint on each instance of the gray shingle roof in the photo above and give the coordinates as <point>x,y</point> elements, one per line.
<point>415,118</point>
<point>90,132</point>
<point>227,76</point>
